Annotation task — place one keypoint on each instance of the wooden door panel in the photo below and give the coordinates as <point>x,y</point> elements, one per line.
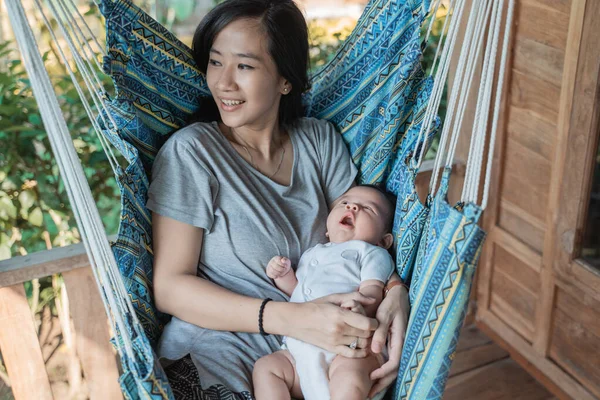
<point>533,293</point>
<point>575,337</point>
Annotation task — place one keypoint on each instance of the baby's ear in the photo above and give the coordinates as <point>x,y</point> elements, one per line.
<point>387,241</point>
<point>327,234</point>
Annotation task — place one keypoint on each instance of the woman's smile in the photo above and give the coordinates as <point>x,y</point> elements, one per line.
<point>231,105</point>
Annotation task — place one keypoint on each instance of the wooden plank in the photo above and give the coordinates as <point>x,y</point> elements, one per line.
<point>476,357</point>
<point>536,134</point>
<point>563,6</point>
<point>500,308</point>
<point>518,224</point>
<point>471,337</point>
<point>501,380</point>
<point>518,249</point>
<point>530,199</point>
<point>97,357</point>
<point>539,60</point>
<point>570,76</point>
<point>543,24</point>
<point>41,264</point>
<point>20,347</point>
<point>528,166</point>
<point>535,95</point>
<point>545,371</point>
<point>515,305</point>
<point>519,272</point>
<point>576,347</point>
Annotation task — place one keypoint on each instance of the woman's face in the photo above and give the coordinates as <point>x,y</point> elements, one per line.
<point>243,77</point>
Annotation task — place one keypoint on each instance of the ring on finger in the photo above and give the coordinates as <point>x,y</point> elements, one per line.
<point>353,344</point>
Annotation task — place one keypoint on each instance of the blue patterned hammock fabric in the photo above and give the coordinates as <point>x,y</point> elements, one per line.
<point>374,91</point>
<point>445,262</point>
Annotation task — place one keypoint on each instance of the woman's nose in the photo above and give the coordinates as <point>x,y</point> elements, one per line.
<point>352,206</point>
<point>226,81</point>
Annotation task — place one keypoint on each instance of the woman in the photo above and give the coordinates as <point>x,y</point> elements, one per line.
<point>227,196</point>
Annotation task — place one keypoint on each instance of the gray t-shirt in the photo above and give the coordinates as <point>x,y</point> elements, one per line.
<point>200,179</point>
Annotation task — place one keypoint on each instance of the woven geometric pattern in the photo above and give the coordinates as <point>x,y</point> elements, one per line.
<point>374,91</point>
<point>445,263</point>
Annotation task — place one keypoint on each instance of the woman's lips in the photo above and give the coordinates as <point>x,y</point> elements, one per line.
<point>231,107</point>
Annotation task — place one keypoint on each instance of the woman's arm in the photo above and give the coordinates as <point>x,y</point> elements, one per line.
<point>178,291</point>
<point>392,316</point>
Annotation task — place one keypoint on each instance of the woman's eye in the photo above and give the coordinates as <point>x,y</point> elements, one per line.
<point>214,62</point>
<point>244,66</point>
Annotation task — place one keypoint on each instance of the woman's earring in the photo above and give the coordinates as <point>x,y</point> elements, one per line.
<point>285,90</point>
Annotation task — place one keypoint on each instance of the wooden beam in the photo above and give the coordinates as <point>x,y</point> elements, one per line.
<point>44,263</point>
<point>20,347</point>
<point>570,77</point>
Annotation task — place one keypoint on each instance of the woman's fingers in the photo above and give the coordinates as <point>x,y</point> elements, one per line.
<point>361,343</point>
<point>348,352</point>
<point>340,298</point>
<point>381,333</point>
<point>359,321</point>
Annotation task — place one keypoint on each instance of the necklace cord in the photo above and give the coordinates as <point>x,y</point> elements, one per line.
<point>238,141</point>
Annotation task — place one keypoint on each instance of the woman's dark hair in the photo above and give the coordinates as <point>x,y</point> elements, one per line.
<point>287,35</point>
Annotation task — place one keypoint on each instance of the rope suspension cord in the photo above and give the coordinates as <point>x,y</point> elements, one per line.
<point>443,33</point>
<point>88,219</point>
<point>91,115</point>
<point>441,74</point>
<point>483,107</point>
<point>461,86</point>
<point>487,13</point>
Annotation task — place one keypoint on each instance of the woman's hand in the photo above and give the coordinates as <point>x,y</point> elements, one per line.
<point>392,316</point>
<point>324,323</point>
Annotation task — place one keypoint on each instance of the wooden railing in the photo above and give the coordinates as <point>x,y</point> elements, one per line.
<point>19,343</point>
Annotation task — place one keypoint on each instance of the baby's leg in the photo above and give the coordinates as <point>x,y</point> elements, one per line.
<point>349,378</point>
<point>275,377</point>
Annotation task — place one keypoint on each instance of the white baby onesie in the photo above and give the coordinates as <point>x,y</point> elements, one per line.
<point>322,270</point>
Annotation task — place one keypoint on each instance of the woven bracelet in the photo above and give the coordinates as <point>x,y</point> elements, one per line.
<point>260,316</point>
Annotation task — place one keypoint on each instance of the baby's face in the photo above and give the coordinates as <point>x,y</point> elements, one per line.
<point>360,214</point>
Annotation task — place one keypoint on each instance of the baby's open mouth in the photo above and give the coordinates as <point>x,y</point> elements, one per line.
<point>347,220</point>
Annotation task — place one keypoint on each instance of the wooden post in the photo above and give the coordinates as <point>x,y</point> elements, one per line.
<point>20,347</point>
<point>97,356</point>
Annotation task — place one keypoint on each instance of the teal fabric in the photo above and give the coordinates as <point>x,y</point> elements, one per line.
<point>444,266</point>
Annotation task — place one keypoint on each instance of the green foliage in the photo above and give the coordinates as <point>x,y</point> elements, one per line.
<point>34,209</point>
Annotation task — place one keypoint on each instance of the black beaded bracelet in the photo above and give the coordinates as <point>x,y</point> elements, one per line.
<point>260,316</point>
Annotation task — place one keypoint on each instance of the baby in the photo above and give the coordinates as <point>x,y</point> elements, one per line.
<point>356,257</point>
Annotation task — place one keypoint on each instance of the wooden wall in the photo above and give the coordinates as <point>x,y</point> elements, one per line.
<point>533,295</point>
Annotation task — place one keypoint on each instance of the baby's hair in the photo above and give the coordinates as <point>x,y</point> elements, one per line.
<point>391,199</point>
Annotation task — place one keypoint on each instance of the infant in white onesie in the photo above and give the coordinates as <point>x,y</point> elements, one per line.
<point>356,258</point>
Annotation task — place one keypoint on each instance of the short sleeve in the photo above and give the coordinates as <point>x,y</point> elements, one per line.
<point>376,264</point>
<point>338,172</point>
<point>182,187</point>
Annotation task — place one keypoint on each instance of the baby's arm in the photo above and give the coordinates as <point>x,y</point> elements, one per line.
<point>372,288</point>
<point>280,270</point>
<point>376,267</point>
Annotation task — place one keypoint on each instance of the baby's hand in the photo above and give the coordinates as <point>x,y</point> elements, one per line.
<point>354,306</point>
<point>278,267</point>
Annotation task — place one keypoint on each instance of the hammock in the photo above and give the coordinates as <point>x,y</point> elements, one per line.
<point>374,91</point>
